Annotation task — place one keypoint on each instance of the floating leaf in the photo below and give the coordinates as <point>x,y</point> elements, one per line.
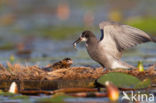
<point>19,97</point>
<point>57,98</point>
<point>144,84</point>
<point>6,94</point>
<point>121,80</point>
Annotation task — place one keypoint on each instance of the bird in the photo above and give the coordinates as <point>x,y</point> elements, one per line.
<point>115,38</point>
<point>65,63</point>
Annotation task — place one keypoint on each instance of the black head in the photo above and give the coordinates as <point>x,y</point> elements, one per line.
<point>85,36</point>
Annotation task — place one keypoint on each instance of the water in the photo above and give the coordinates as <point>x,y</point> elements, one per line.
<point>45,51</point>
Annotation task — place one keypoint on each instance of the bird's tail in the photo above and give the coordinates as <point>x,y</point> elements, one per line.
<point>154,39</point>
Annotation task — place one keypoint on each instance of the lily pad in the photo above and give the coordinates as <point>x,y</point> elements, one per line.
<point>57,98</point>
<point>6,94</point>
<point>121,80</point>
<point>144,84</point>
<point>19,97</point>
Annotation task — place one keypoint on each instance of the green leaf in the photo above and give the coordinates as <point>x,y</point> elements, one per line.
<point>6,94</point>
<point>57,98</point>
<point>144,84</point>
<point>19,97</point>
<point>121,80</point>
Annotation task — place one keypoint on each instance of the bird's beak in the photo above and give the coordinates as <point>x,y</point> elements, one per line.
<point>77,41</point>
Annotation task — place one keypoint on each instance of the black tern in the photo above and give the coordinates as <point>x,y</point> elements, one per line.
<point>115,38</point>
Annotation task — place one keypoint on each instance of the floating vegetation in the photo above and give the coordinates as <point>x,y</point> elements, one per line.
<point>20,72</point>
<point>122,80</point>
<point>57,98</point>
<point>144,84</point>
<point>6,94</point>
<point>20,97</point>
<point>66,83</point>
<point>34,78</point>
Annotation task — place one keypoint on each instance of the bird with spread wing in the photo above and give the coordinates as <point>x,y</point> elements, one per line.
<point>115,38</point>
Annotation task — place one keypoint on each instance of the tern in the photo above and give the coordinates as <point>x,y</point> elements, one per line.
<point>115,38</point>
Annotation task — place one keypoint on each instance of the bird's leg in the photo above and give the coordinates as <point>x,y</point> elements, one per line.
<point>102,65</point>
<point>106,69</point>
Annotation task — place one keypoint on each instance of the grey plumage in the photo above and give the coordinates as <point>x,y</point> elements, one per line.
<point>114,40</point>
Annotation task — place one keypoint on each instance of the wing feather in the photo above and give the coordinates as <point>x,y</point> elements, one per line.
<point>119,37</point>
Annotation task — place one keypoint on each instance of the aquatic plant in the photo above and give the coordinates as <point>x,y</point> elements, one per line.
<point>123,80</point>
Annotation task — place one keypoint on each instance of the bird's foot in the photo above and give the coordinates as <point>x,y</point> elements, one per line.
<point>107,70</point>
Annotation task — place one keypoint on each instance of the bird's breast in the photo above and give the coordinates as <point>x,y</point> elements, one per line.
<point>92,51</point>
<point>96,53</point>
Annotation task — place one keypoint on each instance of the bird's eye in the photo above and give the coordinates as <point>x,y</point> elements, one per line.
<point>86,36</point>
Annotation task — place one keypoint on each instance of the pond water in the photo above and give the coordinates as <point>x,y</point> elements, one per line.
<point>57,50</point>
<point>45,51</point>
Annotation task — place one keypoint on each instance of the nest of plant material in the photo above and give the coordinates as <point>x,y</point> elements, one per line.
<point>20,72</point>
<point>74,73</point>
